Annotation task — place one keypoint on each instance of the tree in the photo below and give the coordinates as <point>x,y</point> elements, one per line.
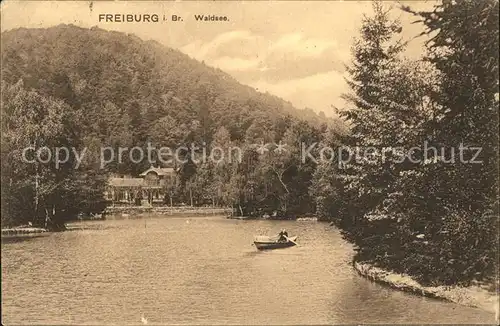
<point>38,190</point>
<point>326,187</point>
<point>464,50</point>
<point>223,168</point>
<point>375,55</point>
<point>389,106</point>
<point>200,187</point>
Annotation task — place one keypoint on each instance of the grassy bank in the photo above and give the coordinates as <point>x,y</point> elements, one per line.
<point>179,210</point>
<point>483,296</point>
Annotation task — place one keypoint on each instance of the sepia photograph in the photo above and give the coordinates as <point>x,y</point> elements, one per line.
<point>276,162</point>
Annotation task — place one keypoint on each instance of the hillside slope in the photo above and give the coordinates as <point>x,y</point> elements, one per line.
<point>93,89</point>
<point>93,68</point>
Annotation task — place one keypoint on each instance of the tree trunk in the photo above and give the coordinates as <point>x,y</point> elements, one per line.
<point>35,217</point>
<point>37,188</point>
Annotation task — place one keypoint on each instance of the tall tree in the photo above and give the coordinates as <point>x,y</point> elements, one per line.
<point>464,49</point>
<point>375,54</point>
<point>37,188</point>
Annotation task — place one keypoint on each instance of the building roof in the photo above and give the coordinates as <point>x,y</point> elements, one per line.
<point>126,182</point>
<point>159,171</point>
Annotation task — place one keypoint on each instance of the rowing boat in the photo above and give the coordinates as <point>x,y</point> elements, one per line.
<point>265,242</point>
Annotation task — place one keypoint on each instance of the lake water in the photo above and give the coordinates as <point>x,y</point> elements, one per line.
<point>201,271</point>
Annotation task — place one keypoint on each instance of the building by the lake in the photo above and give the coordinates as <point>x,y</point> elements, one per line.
<point>154,186</point>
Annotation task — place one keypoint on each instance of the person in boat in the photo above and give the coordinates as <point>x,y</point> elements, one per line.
<point>283,235</point>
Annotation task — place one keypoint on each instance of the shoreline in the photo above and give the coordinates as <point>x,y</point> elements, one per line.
<point>471,296</point>
<point>274,218</point>
<point>23,232</point>
<point>164,210</point>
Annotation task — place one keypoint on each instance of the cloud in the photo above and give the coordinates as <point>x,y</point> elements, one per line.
<point>208,50</point>
<point>331,80</point>
<point>307,71</point>
<point>323,89</point>
<point>252,56</point>
<point>235,64</point>
<point>305,66</point>
<point>301,46</point>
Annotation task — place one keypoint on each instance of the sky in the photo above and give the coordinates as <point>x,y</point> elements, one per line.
<point>293,49</point>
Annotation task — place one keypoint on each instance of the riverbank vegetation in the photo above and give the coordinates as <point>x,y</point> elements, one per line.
<point>428,216</point>
<point>477,295</point>
<point>435,217</point>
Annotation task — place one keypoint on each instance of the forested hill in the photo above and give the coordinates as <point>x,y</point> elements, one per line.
<point>93,89</point>
<point>109,74</point>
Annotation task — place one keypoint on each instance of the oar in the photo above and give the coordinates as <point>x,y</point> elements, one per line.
<point>295,243</point>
